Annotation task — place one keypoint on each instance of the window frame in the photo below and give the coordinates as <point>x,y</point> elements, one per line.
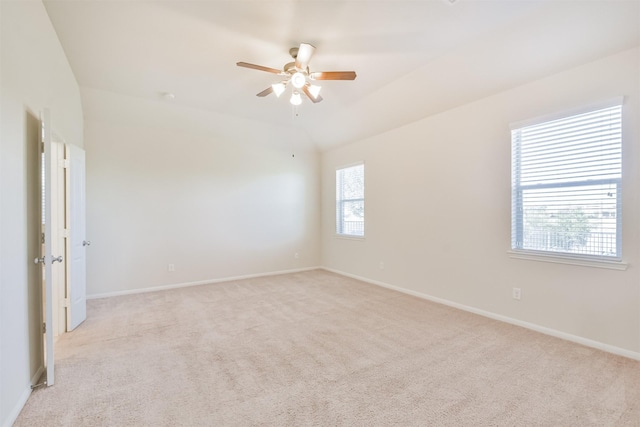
<point>340,202</point>
<point>592,260</point>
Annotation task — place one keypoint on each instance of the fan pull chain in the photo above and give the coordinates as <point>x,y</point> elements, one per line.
<point>294,115</point>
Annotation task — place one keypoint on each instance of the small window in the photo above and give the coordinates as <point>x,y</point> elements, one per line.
<point>350,201</point>
<point>566,177</point>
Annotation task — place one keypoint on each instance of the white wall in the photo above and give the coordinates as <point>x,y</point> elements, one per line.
<point>214,195</point>
<point>437,209</point>
<point>34,74</point>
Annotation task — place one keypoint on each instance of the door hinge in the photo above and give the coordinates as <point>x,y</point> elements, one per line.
<point>44,328</point>
<point>66,303</point>
<point>42,238</point>
<point>65,232</point>
<point>63,163</point>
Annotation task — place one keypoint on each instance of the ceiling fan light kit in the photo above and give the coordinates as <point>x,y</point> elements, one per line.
<point>298,80</point>
<point>278,88</point>
<point>315,90</point>
<point>298,74</point>
<point>296,99</point>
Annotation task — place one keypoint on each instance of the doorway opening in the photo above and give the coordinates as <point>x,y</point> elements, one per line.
<point>58,287</point>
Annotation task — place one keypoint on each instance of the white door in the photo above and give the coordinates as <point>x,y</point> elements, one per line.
<point>59,234</point>
<point>78,243</point>
<point>46,259</point>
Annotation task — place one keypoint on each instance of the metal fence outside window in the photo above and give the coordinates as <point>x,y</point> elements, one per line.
<point>591,243</point>
<point>353,228</point>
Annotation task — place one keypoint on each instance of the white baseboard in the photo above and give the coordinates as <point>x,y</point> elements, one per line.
<point>200,282</point>
<point>532,326</point>
<point>13,415</point>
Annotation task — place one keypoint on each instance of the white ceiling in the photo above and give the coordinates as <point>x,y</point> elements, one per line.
<point>413,58</point>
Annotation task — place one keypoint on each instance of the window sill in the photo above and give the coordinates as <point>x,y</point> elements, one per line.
<point>348,237</point>
<point>568,259</point>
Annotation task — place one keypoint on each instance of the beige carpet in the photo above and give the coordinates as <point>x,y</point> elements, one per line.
<point>318,349</point>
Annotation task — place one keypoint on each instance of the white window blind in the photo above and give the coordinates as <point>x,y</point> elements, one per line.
<point>350,201</point>
<point>566,178</point>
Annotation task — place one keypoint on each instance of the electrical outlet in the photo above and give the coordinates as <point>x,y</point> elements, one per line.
<point>516,293</point>
<point>381,265</point>
<point>296,255</point>
<point>171,267</point>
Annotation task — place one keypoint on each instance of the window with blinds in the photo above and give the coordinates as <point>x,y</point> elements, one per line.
<point>566,177</point>
<point>350,201</point>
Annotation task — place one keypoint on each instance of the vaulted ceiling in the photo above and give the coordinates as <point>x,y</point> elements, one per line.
<point>413,58</point>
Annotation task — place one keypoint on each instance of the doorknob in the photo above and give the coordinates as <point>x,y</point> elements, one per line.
<point>86,243</point>
<point>54,259</point>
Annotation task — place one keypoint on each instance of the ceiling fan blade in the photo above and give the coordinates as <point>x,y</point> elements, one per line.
<point>258,67</point>
<point>305,89</point>
<point>333,75</point>
<point>265,92</point>
<point>305,52</point>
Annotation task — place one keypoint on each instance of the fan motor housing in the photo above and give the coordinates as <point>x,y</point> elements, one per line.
<point>291,68</point>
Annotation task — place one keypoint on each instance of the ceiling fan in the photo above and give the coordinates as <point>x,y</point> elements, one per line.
<point>298,75</point>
